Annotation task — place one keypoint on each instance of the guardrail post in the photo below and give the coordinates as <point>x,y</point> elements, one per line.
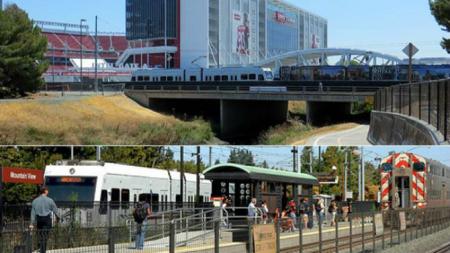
<point>172,237</point>
<point>217,236</point>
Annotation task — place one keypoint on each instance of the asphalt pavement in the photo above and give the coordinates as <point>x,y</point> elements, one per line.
<point>356,136</point>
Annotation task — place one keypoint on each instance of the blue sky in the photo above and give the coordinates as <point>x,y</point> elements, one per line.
<point>281,156</point>
<point>381,25</point>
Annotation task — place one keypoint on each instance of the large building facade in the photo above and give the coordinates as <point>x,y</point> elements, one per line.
<point>210,33</point>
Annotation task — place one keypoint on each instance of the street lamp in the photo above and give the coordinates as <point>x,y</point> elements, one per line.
<point>81,53</point>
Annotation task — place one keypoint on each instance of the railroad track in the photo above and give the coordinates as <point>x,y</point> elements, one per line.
<point>329,245</point>
<point>442,249</point>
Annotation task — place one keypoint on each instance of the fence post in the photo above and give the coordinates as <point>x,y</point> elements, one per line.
<point>172,237</point>
<point>320,232</point>
<point>300,229</point>
<point>277,232</point>
<point>391,214</point>
<point>409,99</point>
<point>374,232</point>
<point>111,247</point>
<point>28,242</point>
<point>429,102</point>
<point>362,233</point>
<point>336,222</point>
<point>250,237</point>
<point>217,236</point>
<point>351,232</point>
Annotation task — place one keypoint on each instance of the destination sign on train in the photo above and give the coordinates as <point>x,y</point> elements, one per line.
<point>24,176</point>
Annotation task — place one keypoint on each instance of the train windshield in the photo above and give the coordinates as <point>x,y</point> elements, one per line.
<point>71,189</point>
<point>419,166</point>
<point>386,167</point>
<point>268,75</point>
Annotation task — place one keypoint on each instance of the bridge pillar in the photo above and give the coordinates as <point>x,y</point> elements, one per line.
<point>242,118</point>
<point>319,113</point>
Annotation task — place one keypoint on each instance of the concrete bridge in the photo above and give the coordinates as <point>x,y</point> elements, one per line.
<point>243,107</point>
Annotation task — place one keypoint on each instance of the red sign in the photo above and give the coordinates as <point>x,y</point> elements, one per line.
<point>22,176</point>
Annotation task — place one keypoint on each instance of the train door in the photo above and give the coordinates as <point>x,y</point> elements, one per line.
<point>402,185</point>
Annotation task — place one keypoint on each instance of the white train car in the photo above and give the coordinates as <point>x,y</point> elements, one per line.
<point>91,181</point>
<point>243,74</point>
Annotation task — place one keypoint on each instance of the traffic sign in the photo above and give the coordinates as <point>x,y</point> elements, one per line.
<point>410,50</point>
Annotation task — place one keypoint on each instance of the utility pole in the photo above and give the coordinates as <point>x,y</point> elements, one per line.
<point>294,152</point>
<point>197,189</point>
<point>181,175</point>
<point>96,55</point>
<point>299,162</point>
<point>210,157</point>
<point>345,174</point>
<point>81,54</point>
<point>363,179</point>
<point>310,161</point>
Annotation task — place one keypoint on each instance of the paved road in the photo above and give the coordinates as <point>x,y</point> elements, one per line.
<point>350,137</point>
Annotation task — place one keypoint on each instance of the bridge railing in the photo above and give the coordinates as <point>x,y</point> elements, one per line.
<point>426,101</point>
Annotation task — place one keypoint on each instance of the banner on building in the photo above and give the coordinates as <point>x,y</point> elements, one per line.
<point>241,32</point>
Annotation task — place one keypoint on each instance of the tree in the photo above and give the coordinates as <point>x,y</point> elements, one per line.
<point>241,156</point>
<point>264,164</point>
<point>441,11</point>
<point>217,162</point>
<point>22,59</point>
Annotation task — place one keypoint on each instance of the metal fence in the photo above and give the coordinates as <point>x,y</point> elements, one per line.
<point>215,231</point>
<point>427,101</point>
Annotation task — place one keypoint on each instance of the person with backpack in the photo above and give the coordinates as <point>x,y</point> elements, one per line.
<point>141,214</point>
<point>332,209</point>
<point>303,212</point>
<point>320,206</point>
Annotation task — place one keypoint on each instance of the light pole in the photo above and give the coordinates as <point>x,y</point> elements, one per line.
<point>361,172</point>
<point>81,53</point>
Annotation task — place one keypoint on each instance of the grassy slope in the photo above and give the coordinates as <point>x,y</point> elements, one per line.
<point>94,120</point>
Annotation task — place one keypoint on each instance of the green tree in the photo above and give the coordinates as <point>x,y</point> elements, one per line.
<point>22,60</point>
<point>241,156</point>
<point>441,11</point>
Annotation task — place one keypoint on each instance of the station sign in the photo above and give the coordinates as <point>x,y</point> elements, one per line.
<point>22,176</point>
<point>264,238</point>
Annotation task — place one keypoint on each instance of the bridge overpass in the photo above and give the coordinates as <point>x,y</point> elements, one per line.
<point>242,107</point>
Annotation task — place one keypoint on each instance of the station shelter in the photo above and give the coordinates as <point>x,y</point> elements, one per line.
<point>241,183</point>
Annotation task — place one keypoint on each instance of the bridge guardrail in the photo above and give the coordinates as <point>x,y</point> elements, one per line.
<point>426,101</point>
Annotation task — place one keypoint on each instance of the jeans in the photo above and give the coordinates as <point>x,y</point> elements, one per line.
<point>293,217</point>
<point>44,224</point>
<point>140,234</point>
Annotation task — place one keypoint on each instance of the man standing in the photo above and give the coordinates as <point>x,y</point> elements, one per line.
<point>251,210</point>
<point>42,209</point>
<point>141,214</point>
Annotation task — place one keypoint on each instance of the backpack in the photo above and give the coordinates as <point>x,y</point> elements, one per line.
<point>318,207</point>
<point>140,213</point>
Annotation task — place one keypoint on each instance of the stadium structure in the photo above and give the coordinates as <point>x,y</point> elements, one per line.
<point>213,33</point>
<point>72,46</point>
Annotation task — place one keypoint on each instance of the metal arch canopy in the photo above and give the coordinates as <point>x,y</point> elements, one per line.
<point>315,53</point>
<point>230,171</point>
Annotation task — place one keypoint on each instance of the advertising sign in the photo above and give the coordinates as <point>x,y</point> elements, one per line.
<point>265,238</point>
<point>23,176</point>
<point>241,32</point>
<point>315,41</point>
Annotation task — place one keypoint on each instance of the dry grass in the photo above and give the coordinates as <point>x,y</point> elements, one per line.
<point>94,120</point>
<point>296,133</point>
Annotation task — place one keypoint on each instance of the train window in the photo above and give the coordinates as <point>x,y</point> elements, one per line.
<point>244,77</point>
<point>170,78</point>
<point>386,167</point>
<point>224,78</point>
<point>443,172</point>
<point>115,198</point>
<point>193,78</point>
<point>163,78</point>
<point>146,78</point>
<point>134,198</point>
<point>140,78</point>
<point>261,77</point>
<point>103,202</point>
<point>252,77</point>
<point>125,198</point>
<point>216,78</point>
<point>133,79</point>
<point>419,166</point>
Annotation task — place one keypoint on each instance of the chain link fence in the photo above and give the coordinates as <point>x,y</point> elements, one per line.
<point>426,101</point>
